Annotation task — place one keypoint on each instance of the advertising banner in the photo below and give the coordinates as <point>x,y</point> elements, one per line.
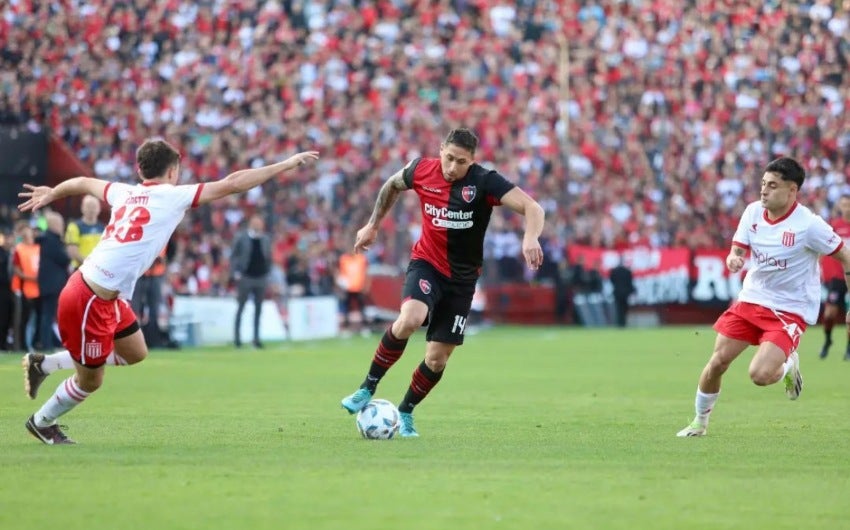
<point>661,275</point>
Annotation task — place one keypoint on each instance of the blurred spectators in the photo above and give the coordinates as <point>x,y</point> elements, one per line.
<point>147,302</point>
<point>671,109</point>
<point>7,300</point>
<point>83,234</point>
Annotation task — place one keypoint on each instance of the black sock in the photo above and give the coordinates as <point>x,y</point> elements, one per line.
<point>388,352</point>
<point>421,383</point>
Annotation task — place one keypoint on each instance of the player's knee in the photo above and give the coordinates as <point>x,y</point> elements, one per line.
<point>436,364</point>
<point>130,353</point>
<point>719,363</point>
<point>762,377</point>
<point>138,356</point>
<point>90,386</point>
<point>407,323</point>
<point>90,382</point>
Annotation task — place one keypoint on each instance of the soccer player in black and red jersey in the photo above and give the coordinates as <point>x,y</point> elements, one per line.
<point>835,304</point>
<point>457,197</point>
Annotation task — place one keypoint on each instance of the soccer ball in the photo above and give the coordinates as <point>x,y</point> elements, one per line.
<point>378,420</point>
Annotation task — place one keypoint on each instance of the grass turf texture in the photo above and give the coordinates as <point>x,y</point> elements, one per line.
<point>530,429</point>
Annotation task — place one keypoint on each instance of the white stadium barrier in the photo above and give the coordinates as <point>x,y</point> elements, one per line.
<point>207,320</point>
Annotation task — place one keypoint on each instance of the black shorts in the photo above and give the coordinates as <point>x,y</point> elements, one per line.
<point>448,301</point>
<point>836,293</point>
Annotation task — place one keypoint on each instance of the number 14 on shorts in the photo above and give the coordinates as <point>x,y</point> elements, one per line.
<point>459,324</point>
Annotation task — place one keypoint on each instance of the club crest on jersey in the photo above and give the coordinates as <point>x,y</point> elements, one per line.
<point>92,350</point>
<point>788,239</point>
<point>468,193</point>
<point>425,286</point>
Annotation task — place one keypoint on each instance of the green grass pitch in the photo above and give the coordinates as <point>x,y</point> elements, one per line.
<point>531,428</point>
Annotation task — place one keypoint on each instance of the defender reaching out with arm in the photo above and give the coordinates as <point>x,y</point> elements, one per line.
<point>96,322</point>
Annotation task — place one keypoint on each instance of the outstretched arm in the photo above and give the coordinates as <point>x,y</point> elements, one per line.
<point>387,197</point>
<point>245,179</point>
<point>40,196</point>
<point>519,201</point>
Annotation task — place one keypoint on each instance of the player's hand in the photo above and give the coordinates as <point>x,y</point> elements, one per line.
<point>365,237</point>
<point>36,197</point>
<point>734,263</point>
<point>532,252</point>
<point>299,159</point>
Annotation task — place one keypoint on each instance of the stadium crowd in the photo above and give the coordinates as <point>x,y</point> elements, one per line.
<point>670,110</point>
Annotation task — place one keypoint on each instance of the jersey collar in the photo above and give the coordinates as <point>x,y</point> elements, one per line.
<point>786,216</point>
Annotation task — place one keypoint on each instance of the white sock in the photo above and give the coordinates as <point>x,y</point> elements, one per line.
<point>786,366</point>
<point>704,404</point>
<point>67,396</point>
<point>60,360</point>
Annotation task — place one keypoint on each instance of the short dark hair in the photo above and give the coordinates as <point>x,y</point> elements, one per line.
<point>464,138</point>
<point>787,169</point>
<point>155,157</point>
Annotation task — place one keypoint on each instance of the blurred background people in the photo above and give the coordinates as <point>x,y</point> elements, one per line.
<point>251,261</point>
<point>25,262</point>
<point>7,299</point>
<point>622,283</point>
<point>83,234</point>
<point>656,140</point>
<point>53,265</point>
<point>147,302</point>
<point>298,280</point>
<point>353,281</point>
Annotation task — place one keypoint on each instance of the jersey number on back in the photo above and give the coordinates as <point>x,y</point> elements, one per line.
<point>129,228</point>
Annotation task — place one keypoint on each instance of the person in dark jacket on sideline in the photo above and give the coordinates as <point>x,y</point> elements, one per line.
<point>52,275</point>
<point>623,283</point>
<point>7,298</point>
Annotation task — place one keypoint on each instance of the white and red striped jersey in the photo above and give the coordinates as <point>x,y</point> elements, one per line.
<point>143,218</point>
<point>784,272</point>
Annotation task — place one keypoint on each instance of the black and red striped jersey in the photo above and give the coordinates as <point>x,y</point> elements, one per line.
<point>455,215</point>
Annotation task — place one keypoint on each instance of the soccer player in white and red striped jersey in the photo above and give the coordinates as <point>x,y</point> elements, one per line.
<point>96,322</point>
<point>833,279</point>
<point>781,291</point>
